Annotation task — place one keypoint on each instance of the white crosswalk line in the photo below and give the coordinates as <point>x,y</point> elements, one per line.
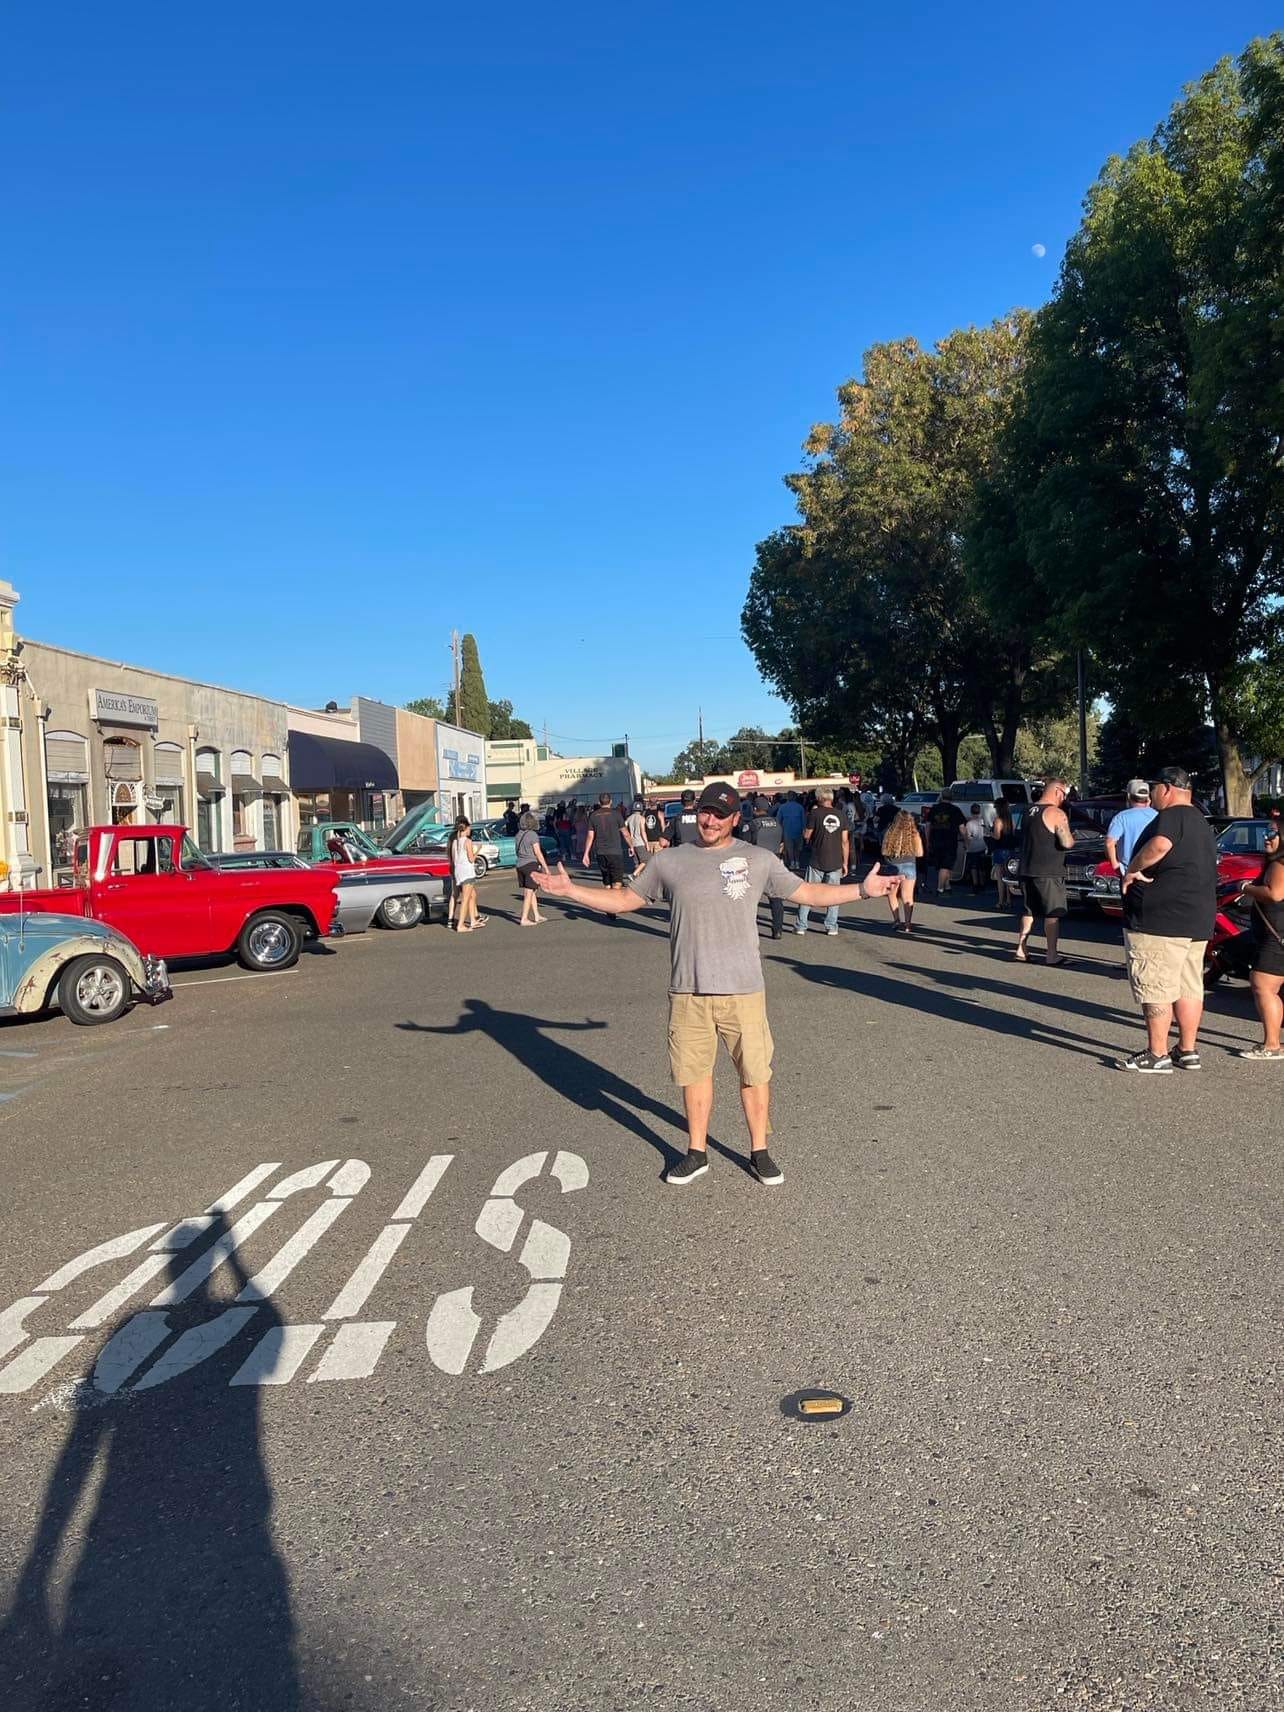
<point>115,1248</point>
<point>106,1306</point>
<point>355,1293</point>
<point>287,1257</point>
<point>416,1197</point>
<point>237,1193</point>
<point>196,1346</point>
<point>126,1352</point>
<point>189,1281</point>
<point>277,1356</point>
<point>30,1365</point>
<point>355,1352</point>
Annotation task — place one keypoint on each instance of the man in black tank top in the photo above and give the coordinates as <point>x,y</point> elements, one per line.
<point>1046,840</point>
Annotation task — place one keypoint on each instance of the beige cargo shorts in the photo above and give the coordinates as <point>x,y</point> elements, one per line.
<point>698,1021</point>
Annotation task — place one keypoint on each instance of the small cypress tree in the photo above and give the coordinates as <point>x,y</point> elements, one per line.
<point>474,705</point>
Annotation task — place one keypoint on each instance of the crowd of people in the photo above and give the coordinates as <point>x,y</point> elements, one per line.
<point>715,859</point>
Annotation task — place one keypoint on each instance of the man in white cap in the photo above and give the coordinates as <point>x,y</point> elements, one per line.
<point>1126,828</point>
<point>713,888</point>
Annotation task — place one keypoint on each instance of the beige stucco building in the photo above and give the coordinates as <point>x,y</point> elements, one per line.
<point>522,769</point>
<point>99,741</point>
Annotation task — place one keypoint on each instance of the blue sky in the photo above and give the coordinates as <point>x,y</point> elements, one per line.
<point>329,328</point>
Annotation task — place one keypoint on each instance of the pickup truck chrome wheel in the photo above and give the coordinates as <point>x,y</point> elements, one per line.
<point>93,989</point>
<point>407,911</point>
<point>269,942</point>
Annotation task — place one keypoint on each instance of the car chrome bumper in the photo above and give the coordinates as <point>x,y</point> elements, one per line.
<point>156,987</point>
<point>337,929</point>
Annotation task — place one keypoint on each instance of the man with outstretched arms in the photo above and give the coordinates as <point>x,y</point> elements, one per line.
<point>713,888</point>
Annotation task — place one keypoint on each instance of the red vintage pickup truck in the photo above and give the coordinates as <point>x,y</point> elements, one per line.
<point>153,884</point>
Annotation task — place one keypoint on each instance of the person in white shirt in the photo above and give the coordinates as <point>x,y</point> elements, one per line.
<point>975,864</point>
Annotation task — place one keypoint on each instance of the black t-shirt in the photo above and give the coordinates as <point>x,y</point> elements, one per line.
<point>766,832</point>
<point>684,828</point>
<point>606,826</point>
<point>654,825</point>
<point>825,846</point>
<point>1181,901</point>
<point>944,822</point>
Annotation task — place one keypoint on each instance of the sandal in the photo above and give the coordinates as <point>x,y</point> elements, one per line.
<point>1056,962</point>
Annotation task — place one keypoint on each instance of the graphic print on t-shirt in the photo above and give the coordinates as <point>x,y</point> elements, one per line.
<point>735,876</point>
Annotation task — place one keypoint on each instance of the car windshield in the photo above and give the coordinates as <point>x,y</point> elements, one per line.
<point>1244,838</point>
<point>193,856</point>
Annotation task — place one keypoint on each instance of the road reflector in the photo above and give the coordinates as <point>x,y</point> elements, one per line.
<point>814,1405</point>
<point>821,1406</point>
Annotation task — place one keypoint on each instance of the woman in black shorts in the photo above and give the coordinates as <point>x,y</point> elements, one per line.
<point>1267,897</point>
<point>530,856</point>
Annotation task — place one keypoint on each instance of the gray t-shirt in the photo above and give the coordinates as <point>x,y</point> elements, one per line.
<point>527,848</point>
<point>713,925</point>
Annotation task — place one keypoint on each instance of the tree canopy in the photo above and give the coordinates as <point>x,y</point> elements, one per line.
<point>1140,498</point>
<point>863,615</point>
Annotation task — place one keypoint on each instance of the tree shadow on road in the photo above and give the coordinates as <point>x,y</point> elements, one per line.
<point>573,1075</point>
<point>914,996</point>
<point>176,1596</point>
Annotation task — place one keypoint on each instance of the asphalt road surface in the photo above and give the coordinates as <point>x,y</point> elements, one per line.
<point>490,1418</point>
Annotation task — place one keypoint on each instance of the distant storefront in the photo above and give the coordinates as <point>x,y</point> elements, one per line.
<point>106,743</point>
<point>336,772</point>
<point>461,772</point>
<point>523,770</point>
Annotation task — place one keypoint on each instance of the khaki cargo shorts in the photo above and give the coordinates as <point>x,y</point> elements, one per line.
<point>698,1021</point>
<point>1163,970</point>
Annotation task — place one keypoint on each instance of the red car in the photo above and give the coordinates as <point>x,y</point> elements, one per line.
<point>1241,850</point>
<point>154,886</point>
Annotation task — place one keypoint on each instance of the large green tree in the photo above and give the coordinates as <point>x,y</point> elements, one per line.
<point>864,616</point>
<point>1141,497</point>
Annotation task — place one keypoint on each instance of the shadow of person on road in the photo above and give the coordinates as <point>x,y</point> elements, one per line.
<point>176,1597</point>
<point>579,1079</point>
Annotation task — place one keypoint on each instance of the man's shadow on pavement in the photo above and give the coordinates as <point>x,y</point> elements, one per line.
<point>579,1079</point>
<point>177,1597</point>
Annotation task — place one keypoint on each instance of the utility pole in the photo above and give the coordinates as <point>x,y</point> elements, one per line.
<point>802,758</point>
<point>1083,726</point>
<point>700,723</point>
<point>454,660</point>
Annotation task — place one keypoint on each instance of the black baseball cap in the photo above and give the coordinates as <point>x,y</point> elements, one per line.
<point>1177,777</point>
<point>688,796</point>
<point>721,799</point>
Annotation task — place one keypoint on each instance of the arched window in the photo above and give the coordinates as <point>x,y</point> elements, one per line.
<point>122,760</point>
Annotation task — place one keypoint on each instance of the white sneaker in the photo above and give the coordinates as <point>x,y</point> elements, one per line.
<point>832,932</point>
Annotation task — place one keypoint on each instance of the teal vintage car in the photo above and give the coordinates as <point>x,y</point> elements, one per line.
<point>85,969</point>
<point>492,832</point>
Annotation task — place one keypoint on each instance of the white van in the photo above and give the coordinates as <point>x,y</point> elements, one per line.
<point>987,792</point>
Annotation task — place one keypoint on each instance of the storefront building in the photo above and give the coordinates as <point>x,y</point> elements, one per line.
<point>461,772</point>
<point>523,770</point>
<point>343,764</point>
<point>416,759</point>
<point>106,743</point>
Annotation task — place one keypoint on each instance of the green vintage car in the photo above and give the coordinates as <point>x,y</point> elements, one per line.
<point>430,840</point>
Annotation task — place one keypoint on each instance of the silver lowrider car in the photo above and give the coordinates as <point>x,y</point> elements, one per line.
<point>377,895</point>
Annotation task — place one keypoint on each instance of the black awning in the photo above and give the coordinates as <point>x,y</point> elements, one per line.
<point>330,763</point>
